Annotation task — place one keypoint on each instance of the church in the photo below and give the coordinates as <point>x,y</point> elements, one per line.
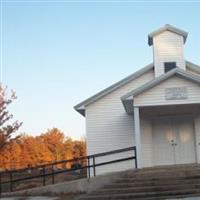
<point>156,109</point>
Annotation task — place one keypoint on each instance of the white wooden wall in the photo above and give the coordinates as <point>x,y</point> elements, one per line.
<point>168,47</point>
<point>109,127</point>
<point>156,95</point>
<point>147,143</point>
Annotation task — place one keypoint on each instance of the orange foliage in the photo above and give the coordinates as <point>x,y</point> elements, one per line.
<point>48,147</point>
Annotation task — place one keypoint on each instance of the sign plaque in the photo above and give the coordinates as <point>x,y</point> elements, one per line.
<point>176,93</point>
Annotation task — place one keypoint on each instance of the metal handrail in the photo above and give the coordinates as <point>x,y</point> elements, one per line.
<point>53,172</point>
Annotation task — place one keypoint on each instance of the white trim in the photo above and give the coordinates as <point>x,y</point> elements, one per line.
<point>197,137</point>
<point>81,106</point>
<point>137,135</point>
<point>170,28</point>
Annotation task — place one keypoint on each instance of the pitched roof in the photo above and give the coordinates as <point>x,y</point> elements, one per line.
<point>81,106</point>
<point>167,27</point>
<point>127,99</point>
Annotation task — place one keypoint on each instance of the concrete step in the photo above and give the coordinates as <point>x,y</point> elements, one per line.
<point>178,168</point>
<point>156,178</point>
<point>169,197</point>
<point>152,183</point>
<point>146,189</point>
<point>144,172</point>
<point>161,174</point>
<point>157,195</point>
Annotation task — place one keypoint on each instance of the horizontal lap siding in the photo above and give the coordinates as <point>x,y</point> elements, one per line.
<point>168,47</point>
<point>108,126</point>
<point>146,140</point>
<point>114,167</point>
<point>156,95</point>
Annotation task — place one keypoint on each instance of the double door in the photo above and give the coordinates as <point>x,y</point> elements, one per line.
<point>173,141</point>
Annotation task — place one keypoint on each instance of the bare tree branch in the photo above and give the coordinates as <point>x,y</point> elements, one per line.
<point>7,130</point>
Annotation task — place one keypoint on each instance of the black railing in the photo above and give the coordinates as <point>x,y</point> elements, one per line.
<point>79,168</point>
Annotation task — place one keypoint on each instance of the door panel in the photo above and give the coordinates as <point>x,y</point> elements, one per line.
<point>185,148</point>
<point>162,136</point>
<point>173,141</point>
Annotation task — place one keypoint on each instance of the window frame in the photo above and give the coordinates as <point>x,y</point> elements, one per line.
<point>168,66</point>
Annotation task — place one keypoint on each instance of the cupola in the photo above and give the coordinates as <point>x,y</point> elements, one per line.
<point>168,48</point>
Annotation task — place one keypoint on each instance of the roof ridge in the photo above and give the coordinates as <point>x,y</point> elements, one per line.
<point>167,27</point>
<point>160,79</point>
<point>168,74</point>
<point>127,102</point>
<point>80,107</point>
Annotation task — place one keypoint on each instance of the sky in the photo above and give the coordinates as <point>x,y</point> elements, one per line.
<point>55,54</point>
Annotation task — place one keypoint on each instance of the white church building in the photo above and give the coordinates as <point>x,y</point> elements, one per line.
<point>156,109</point>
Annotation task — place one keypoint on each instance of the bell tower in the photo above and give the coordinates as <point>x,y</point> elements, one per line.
<point>168,48</point>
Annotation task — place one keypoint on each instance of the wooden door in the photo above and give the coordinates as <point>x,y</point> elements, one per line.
<point>173,141</point>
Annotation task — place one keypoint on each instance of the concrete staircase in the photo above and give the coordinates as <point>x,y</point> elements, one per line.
<point>152,183</point>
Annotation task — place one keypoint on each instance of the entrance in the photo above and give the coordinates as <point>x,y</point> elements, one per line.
<point>173,141</point>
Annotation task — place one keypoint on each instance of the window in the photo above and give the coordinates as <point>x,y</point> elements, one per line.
<point>169,66</point>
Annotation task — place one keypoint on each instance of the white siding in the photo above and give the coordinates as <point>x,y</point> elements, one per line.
<point>168,47</point>
<point>146,140</point>
<point>197,137</point>
<point>156,95</point>
<point>108,126</point>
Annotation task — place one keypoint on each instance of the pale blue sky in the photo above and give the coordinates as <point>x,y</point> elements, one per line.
<point>56,54</point>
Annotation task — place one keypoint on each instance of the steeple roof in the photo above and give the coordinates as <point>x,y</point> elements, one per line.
<point>167,27</point>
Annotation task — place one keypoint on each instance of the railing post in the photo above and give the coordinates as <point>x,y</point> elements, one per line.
<point>44,178</point>
<point>94,166</point>
<point>88,159</point>
<point>136,158</point>
<point>137,135</point>
<point>52,170</point>
<point>11,181</point>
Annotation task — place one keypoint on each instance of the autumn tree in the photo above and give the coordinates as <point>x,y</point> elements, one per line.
<point>7,129</point>
<point>46,148</point>
<point>79,150</point>
<point>54,140</point>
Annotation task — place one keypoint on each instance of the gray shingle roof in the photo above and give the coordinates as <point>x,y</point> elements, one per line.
<point>127,99</point>
<point>167,27</point>
<point>81,106</point>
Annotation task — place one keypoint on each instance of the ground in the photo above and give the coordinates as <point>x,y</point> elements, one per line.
<point>38,198</point>
<point>65,198</point>
<point>29,198</point>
